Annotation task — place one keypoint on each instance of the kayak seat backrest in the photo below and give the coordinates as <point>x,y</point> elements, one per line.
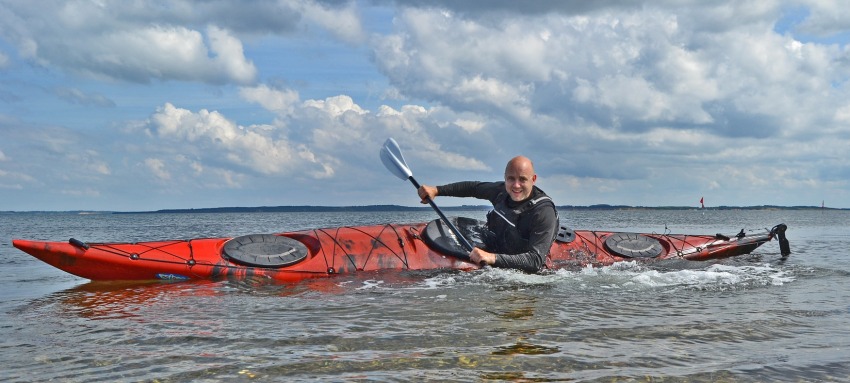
<point>565,235</point>
<point>441,239</point>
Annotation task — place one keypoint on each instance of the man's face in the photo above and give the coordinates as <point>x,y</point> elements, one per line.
<point>519,181</point>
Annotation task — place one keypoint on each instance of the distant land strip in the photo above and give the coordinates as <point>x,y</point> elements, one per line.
<point>390,208</point>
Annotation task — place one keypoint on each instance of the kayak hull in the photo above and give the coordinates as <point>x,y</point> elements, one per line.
<point>345,250</point>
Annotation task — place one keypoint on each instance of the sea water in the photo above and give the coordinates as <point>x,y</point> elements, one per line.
<point>758,317</point>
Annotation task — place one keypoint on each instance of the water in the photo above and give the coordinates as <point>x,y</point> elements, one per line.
<point>754,318</point>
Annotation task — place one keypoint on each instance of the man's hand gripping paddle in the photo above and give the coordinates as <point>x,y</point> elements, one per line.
<point>394,161</point>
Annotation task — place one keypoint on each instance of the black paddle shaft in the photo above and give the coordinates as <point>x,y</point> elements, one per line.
<point>461,238</point>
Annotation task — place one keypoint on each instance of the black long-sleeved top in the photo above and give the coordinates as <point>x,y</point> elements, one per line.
<point>537,225</point>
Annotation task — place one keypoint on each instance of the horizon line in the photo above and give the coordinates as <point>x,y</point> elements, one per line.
<point>366,208</point>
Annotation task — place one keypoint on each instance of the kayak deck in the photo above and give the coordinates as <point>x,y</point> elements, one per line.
<point>324,252</point>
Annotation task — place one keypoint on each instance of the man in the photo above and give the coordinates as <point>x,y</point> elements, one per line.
<point>523,219</point>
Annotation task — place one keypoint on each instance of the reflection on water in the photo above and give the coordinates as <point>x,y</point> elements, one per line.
<point>753,318</point>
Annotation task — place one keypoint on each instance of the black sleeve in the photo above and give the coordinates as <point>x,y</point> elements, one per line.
<point>475,189</point>
<point>542,229</point>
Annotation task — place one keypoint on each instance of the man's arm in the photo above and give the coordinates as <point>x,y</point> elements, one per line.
<point>475,189</point>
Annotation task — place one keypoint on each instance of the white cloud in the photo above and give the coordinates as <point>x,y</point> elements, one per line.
<point>161,52</point>
<point>470,126</point>
<point>335,106</point>
<point>826,17</point>
<point>281,102</point>
<point>156,167</point>
<point>343,22</point>
<point>145,41</point>
<point>13,180</point>
<point>433,54</point>
<point>621,68</point>
<point>228,56</point>
<point>212,137</point>
<point>77,96</point>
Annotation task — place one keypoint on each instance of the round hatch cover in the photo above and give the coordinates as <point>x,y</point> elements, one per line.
<point>264,250</point>
<point>633,245</point>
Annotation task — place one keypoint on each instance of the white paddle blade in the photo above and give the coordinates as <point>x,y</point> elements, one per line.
<point>394,161</point>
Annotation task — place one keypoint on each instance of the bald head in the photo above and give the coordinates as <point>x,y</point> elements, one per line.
<point>519,178</point>
<point>520,163</point>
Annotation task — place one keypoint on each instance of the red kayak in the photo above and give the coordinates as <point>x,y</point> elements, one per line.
<point>294,256</point>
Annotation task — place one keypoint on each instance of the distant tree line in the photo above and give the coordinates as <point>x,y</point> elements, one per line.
<point>390,208</point>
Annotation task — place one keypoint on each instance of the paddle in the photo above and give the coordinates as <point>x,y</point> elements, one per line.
<point>394,161</point>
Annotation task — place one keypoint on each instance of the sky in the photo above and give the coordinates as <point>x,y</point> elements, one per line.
<point>145,105</point>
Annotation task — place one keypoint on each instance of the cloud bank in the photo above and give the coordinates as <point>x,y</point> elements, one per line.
<point>649,103</point>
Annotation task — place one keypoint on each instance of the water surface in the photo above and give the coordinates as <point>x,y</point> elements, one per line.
<point>753,318</point>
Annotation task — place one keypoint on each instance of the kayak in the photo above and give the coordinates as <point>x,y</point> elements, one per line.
<point>326,252</point>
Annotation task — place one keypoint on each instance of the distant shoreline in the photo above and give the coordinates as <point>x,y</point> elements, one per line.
<point>398,208</point>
